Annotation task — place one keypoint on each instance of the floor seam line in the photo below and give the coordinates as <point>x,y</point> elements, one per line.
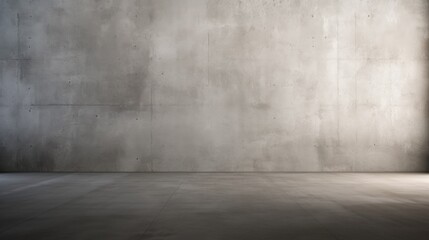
<point>41,183</point>
<point>162,209</point>
<point>53,208</point>
<point>305,210</point>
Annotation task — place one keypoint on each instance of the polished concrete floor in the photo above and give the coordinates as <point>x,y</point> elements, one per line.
<point>214,206</point>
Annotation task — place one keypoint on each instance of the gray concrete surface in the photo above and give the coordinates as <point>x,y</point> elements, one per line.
<point>223,206</point>
<point>206,85</point>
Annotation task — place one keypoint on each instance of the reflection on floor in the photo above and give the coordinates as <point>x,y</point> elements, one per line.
<point>214,206</point>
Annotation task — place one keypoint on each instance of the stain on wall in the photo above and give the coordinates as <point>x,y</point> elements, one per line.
<point>214,85</point>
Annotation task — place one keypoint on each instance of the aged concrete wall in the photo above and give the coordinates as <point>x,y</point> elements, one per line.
<point>206,85</point>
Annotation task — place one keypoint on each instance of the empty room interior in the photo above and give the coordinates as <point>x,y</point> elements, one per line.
<point>214,119</point>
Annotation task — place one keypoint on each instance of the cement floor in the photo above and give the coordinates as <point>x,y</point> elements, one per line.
<point>214,206</point>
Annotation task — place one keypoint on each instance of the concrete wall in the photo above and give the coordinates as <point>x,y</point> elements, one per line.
<point>206,85</point>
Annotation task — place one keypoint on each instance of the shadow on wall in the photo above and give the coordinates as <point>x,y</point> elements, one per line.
<point>426,104</point>
<point>426,101</point>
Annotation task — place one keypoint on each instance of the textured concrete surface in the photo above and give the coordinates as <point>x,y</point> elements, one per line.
<point>205,85</point>
<point>349,206</point>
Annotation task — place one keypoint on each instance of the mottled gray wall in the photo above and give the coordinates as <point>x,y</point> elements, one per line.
<point>205,85</point>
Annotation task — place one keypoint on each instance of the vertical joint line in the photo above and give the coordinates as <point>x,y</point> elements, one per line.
<point>208,48</point>
<point>151,124</point>
<point>18,75</point>
<point>208,57</point>
<point>355,36</point>
<point>390,94</point>
<point>338,76</point>
<point>356,92</point>
<point>18,33</point>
